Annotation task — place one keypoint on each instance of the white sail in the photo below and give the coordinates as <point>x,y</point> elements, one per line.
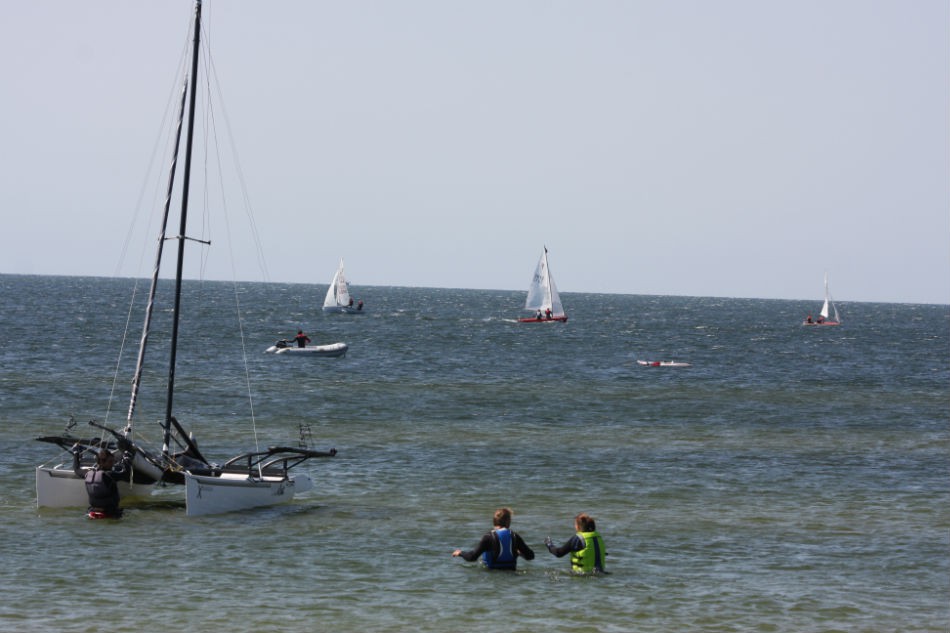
<point>542,293</point>
<point>824,307</point>
<point>338,294</point>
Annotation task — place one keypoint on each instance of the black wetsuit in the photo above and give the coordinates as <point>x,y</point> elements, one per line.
<point>573,544</point>
<point>102,485</point>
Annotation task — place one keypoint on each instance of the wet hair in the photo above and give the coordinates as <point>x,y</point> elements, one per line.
<point>103,455</point>
<point>585,522</point>
<point>503,517</point>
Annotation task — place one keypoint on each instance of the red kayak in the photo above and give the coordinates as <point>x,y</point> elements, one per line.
<point>662,363</point>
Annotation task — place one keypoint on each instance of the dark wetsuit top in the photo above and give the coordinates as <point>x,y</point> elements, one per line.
<point>102,485</point>
<point>490,543</point>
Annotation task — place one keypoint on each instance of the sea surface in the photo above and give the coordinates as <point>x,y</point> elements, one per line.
<point>791,479</point>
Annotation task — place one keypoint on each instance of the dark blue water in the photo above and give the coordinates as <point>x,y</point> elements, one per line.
<point>791,479</point>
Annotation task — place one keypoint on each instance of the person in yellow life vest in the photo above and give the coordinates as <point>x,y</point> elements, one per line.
<point>586,547</point>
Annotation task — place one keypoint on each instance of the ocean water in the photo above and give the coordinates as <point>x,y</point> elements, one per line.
<point>791,479</point>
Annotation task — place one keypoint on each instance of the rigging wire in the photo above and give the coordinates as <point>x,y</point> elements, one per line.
<point>156,180</point>
<point>211,140</point>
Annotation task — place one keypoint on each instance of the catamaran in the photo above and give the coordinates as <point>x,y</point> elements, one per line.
<point>543,299</point>
<point>252,479</point>
<point>824,319</point>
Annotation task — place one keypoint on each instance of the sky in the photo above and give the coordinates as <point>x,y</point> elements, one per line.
<point>733,148</point>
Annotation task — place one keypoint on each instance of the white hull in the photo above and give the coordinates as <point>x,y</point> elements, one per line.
<point>333,349</point>
<point>61,488</point>
<point>229,493</point>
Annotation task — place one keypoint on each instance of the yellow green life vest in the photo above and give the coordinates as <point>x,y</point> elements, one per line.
<point>592,557</point>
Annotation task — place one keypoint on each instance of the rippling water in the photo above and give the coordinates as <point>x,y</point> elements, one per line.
<point>792,479</point>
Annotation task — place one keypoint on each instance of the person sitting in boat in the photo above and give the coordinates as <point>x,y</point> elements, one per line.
<point>539,316</point>
<point>821,320</point>
<point>350,304</point>
<point>809,319</point>
<point>501,547</point>
<point>302,339</point>
<point>586,547</point>
<point>102,481</point>
<point>359,305</point>
<point>548,314</point>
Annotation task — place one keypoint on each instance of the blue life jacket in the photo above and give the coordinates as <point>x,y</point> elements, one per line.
<point>505,557</point>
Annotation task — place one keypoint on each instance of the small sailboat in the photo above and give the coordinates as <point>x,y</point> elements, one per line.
<point>543,298</point>
<point>338,297</point>
<point>251,479</point>
<point>823,318</point>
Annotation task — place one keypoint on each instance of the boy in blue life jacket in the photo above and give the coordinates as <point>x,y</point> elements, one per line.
<point>586,547</point>
<point>501,547</point>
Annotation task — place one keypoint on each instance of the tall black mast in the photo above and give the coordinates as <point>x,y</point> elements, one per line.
<point>146,328</point>
<point>186,181</point>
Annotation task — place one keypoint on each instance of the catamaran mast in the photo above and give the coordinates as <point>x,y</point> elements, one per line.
<point>137,378</point>
<point>186,181</point>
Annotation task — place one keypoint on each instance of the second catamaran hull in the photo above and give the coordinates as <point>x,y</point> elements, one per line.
<point>229,493</point>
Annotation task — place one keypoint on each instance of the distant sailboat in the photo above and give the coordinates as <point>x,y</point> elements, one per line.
<point>338,295</point>
<point>825,313</point>
<point>543,298</point>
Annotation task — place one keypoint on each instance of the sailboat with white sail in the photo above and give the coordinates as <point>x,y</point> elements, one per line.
<point>338,297</point>
<point>827,308</point>
<point>543,298</point>
<point>252,479</point>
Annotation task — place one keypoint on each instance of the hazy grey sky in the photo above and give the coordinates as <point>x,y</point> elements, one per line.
<point>719,148</point>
